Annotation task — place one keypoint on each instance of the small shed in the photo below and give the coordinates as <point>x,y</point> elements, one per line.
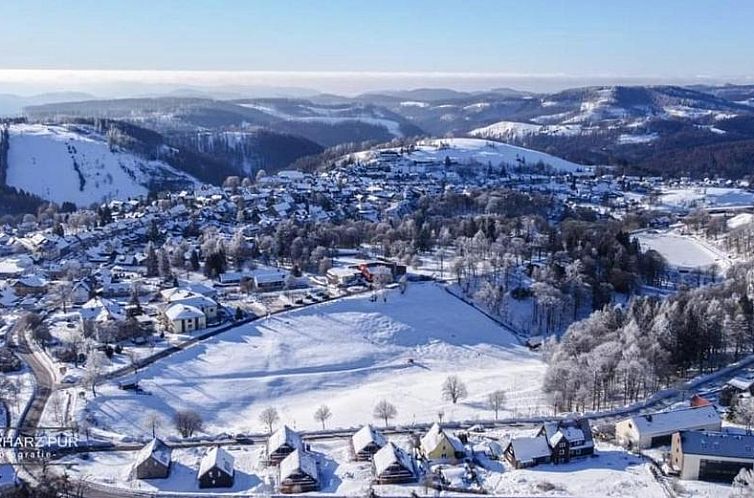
<point>281,443</point>
<point>523,452</point>
<point>392,465</point>
<point>298,473</point>
<point>152,461</point>
<point>216,469</point>
<point>366,442</point>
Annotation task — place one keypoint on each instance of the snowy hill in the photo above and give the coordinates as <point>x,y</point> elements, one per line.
<point>351,353</point>
<point>474,150</point>
<point>76,164</point>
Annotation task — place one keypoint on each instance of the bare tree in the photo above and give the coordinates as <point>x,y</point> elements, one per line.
<point>269,417</point>
<point>385,410</point>
<point>496,400</point>
<point>453,389</point>
<point>322,414</point>
<point>154,421</point>
<point>187,422</point>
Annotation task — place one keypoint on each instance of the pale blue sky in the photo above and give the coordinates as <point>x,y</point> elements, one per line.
<point>576,38</point>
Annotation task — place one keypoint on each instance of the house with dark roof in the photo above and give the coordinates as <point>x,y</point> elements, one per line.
<point>568,439</point>
<point>711,456</point>
<point>152,461</point>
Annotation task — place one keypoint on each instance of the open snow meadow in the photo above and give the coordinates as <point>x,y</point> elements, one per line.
<point>348,354</point>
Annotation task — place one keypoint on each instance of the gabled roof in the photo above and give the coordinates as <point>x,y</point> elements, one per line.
<point>366,436</point>
<point>526,449</point>
<point>718,444</point>
<point>155,449</point>
<point>676,420</point>
<point>183,312</point>
<point>435,436</point>
<point>218,458</point>
<point>740,383</point>
<point>570,429</point>
<point>389,455</point>
<point>284,437</point>
<point>298,461</point>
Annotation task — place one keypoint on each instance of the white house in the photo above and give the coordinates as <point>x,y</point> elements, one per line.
<point>714,456</point>
<point>182,296</point>
<point>185,318</point>
<point>655,429</point>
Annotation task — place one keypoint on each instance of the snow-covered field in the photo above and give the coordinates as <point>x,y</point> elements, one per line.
<point>688,198</point>
<point>60,163</point>
<point>466,150</point>
<point>682,251</point>
<point>348,354</point>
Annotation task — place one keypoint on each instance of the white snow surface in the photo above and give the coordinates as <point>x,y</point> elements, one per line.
<point>466,150</point>
<point>348,354</point>
<point>509,130</point>
<point>43,160</point>
<point>681,251</point>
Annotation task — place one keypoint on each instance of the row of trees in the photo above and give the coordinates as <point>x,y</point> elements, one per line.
<point>619,354</point>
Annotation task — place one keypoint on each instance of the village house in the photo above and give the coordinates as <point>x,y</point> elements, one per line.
<point>269,281</point>
<point>183,318</point>
<point>298,473</point>
<point>568,439</point>
<point>281,443</point>
<point>152,461</point>
<point>81,292</point>
<point>711,456</point>
<point>366,442</point>
<point>523,452</point>
<point>392,465</point>
<point>343,277</point>
<point>182,296</point>
<point>216,469</point>
<point>734,388</point>
<point>29,285</point>
<point>657,429</point>
<point>439,446</point>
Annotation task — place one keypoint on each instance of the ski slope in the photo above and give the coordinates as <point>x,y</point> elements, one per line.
<point>65,163</point>
<point>348,354</point>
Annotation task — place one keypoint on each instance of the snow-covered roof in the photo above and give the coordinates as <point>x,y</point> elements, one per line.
<point>740,384</point>
<point>391,454</point>
<point>218,458</point>
<point>298,460</point>
<point>527,449</point>
<point>283,436</point>
<point>155,449</point>
<point>183,312</point>
<point>720,444</point>
<point>435,436</point>
<point>676,420</point>
<point>366,436</point>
